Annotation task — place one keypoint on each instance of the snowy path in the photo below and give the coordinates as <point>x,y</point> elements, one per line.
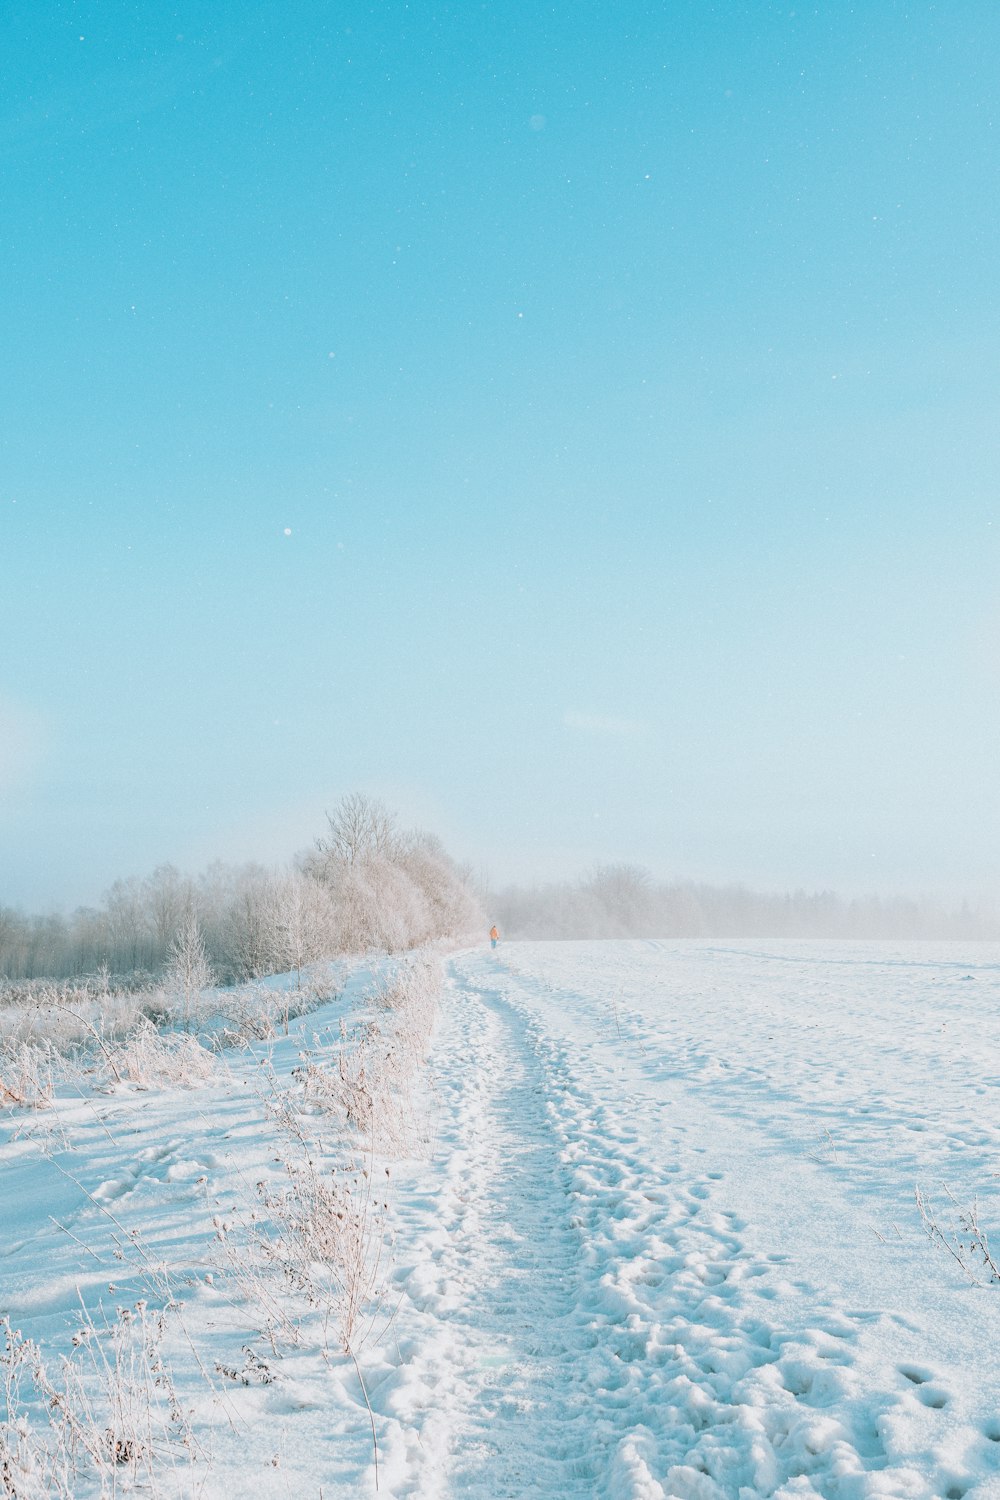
<point>618,1325</point>
<point>502,1271</point>
<point>659,1243</point>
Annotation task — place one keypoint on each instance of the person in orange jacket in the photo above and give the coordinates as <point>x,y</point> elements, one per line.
<point>494,936</point>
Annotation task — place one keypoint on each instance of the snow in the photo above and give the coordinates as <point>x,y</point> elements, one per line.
<point>653,1238</point>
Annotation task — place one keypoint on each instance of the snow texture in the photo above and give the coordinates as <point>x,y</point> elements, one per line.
<point>655,1238</point>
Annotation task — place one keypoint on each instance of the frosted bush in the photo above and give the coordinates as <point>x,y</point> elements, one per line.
<point>106,1423</point>
<point>26,1077</point>
<point>372,1083</point>
<point>153,1059</point>
<point>411,993</point>
<point>65,1016</point>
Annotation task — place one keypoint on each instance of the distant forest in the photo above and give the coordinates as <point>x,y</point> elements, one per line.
<point>366,884</point>
<point>623,900</point>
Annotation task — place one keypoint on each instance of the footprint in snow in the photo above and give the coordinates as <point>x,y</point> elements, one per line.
<point>916,1374</point>
<point>933,1396</point>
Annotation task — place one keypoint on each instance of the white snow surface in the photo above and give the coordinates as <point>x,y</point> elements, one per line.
<point>657,1241</point>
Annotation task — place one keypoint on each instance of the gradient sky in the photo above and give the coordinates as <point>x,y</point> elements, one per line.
<point>576,423</point>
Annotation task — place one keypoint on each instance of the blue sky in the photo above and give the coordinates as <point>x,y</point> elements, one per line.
<point>577,424</point>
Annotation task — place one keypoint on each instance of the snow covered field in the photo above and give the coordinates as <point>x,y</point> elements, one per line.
<point>651,1233</point>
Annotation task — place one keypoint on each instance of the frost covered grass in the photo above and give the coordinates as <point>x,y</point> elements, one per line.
<point>568,1220</point>
<point>149,1058</point>
<point>298,1259</point>
<point>26,1075</point>
<point>960,1234</point>
<point>346,1114</point>
<point>104,1419</point>
<point>167,1035</point>
<point>311,1256</point>
<point>64,1015</point>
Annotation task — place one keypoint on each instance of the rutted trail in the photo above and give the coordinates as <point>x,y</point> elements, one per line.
<point>610,1330</point>
<point>502,1271</point>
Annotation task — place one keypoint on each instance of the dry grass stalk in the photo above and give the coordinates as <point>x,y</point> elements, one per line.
<point>108,1420</point>
<point>965,1240</point>
<point>26,1076</point>
<point>150,1058</point>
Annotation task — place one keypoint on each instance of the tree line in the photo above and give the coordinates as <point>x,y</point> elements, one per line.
<point>623,901</point>
<point>365,884</point>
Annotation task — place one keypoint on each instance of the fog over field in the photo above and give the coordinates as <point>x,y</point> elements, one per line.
<point>367,883</point>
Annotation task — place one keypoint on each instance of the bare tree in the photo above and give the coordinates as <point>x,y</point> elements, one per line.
<point>359,828</point>
<point>249,930</point>
<point>128,928</point>
<point>168,898</point>
<point>189,971</point>
<point>625,893</point>
<point>303,921</point>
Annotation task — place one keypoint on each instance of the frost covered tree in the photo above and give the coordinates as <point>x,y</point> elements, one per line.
<point>248,927</point>
<point>624,894</point>
<point>189,971</point>
<point>452,904</point>
<point>390,890</point>
<point>168,900</point>
<point>303,922</point>
<point>359,829</point>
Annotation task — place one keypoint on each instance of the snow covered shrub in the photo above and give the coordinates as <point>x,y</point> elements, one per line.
<point>153,1059</point>
<point>365,1086</point>
<point>389,890</point>
<point>411,994</point>
<point>108,1422</point>
<point>396,1051</point>
<point>33,1465</point>
<point>26,1079</point>
<point>244,1242</point>
<point>189,972</point>
<point>331,1241</point>
<point>256,1012</point>
<point>351,1088</point>
<point>370,1083</point>
<point>144,1420</point>
<point>247,1022</point>
<point>316,1243</point>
